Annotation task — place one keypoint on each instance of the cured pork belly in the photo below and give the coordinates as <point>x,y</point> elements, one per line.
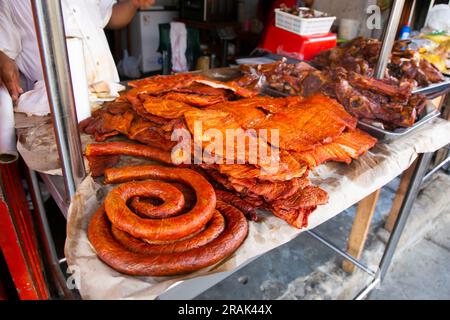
<point>286,169</point>
<point>194,99</point>
<point>304,125</point>
<point>246,207</point>
<point>231,85</point>
<point>202,89</point>
<point>350,145</point>
<point>109,121</point>
<point>148,133</point>
<point>167,109</point>
<point>158,84</point>
<point>215,123</point>
<point>245,115</point>
<point>291,200</point>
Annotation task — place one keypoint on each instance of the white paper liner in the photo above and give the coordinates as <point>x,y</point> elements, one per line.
<point>36,143</point>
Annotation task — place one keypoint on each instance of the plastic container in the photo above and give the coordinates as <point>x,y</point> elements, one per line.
<point>282,42</point>
<point>405,32</point>
<point>303,26</point>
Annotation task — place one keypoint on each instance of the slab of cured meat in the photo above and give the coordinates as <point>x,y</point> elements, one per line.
<point>299,123</point>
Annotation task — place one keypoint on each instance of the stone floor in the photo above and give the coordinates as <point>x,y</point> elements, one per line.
<point>305,269</point>
<point>422,271</point>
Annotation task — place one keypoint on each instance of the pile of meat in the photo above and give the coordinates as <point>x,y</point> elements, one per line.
<point>387,102</point>
<point>361,56</point>
<point>311,130</point>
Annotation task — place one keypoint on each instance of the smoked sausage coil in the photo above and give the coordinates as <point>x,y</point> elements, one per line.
<point>213,229</point>
<point>129,149</point>
<point>172,198</point>
<point>121,259</point>
<point>172,228</point>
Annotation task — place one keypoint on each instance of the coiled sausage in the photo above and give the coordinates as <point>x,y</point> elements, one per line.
<point>212,230</point>
<point>132,263</point>
<point>161,229</point>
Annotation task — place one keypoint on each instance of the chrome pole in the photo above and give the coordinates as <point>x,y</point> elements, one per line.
<point>436,169</point>
<point>365,292</point>
<point>389,37</point>
<point>341,252</point>
<point>411,14</point>
<point>52,45</point>
<point>47,239</point>
<point>411,194</point>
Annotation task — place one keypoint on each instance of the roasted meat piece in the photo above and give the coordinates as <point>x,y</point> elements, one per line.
<point>159,84</point>
<point>246,207</point>
<point>202,89</point>
<point>194,99</point>
<point>110,120</point>
<point>298,123</point>
<point>233,86</point>
<point>167,109</point>
<point>270,191</point>
<point>286,168</point>
<point>148,133</point>
<point>350,145</point>
<point>361,56</point>
<point>296,209</point>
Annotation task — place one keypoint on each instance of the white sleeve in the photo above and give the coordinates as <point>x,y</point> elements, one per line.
<point>10,42</point>
<point>105,9</point>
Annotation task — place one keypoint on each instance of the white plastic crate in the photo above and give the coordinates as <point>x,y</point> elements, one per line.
<point>302,26</point>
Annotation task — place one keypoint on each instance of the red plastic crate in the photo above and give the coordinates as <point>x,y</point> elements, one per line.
<point>286,43</point>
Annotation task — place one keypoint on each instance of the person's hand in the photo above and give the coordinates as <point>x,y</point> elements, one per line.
<point>9,76</point>
<point>143,4</point>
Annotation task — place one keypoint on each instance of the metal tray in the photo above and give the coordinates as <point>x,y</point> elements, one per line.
<point>387,135</point>
<point>435,89</point>
<point>432,91</point>
<point>381,134</point>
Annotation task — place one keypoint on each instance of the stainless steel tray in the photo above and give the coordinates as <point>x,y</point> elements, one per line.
<point>431,91</point>
<point>435,89</point>
<point>379,133</point>
<point>387,135</point>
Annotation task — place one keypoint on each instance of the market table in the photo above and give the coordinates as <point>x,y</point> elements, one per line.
<point>346,185</point>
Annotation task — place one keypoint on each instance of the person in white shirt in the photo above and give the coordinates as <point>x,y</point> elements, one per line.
<point>84,19</point>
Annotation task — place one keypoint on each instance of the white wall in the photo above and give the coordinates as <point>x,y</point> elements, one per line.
<point>350,9</point>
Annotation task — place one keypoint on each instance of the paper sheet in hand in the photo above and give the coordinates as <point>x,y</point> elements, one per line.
<point>8,151</point>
